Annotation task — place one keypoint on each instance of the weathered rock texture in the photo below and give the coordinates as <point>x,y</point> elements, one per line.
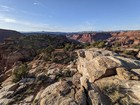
<point>113,76</point>
<point>100,78</point>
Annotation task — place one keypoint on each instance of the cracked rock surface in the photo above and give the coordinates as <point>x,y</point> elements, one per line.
<point>99,77</point>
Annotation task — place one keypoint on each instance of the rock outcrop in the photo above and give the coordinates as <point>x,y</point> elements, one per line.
<point>111,75</point>
<point>100,77</point>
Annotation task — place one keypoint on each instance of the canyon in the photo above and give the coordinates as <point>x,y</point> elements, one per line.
<point>61,70</point>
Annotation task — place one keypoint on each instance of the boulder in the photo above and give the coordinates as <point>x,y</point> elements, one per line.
<point>97,65</point>
<point>100,66</point>
<point>49,89</point>
<point>108,78</point>
<point>56,94</point>
<point>125,74</point>
<point>62,93</point>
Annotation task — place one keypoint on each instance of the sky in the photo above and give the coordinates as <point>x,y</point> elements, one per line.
<point>70,15</point>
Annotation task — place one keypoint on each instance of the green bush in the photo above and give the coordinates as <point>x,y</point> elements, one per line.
<point>99,44</point>
<point>69,47</point>
<point>86,45</point>
<point>137,46</point>
<point>130,52</point>
<point>48,53</point>
<point>20,72</point>
<point>117,44</point>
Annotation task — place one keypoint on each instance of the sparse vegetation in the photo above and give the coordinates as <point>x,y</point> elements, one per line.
<point>99,44</point>
<point>48,53</point>
<point>116,44</point>
<point>68,47</point>
<point>20,72</point>
<point>137,46</point>
<point>87,45</point>
<point>55,60</point>
<point>130,52</point>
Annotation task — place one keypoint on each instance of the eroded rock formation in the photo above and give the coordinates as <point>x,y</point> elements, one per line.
<point>99,77</point>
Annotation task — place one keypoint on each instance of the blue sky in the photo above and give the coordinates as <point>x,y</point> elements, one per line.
<point>70,15</point>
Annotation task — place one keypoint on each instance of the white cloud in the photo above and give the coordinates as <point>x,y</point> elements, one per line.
<point>22,25</point>
<point>36,3</point>
<point>25,24</point>
<point>6,8</point>
<point>7,20</point>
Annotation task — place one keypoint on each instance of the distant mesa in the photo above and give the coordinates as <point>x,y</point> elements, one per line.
<point>125,38</point>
